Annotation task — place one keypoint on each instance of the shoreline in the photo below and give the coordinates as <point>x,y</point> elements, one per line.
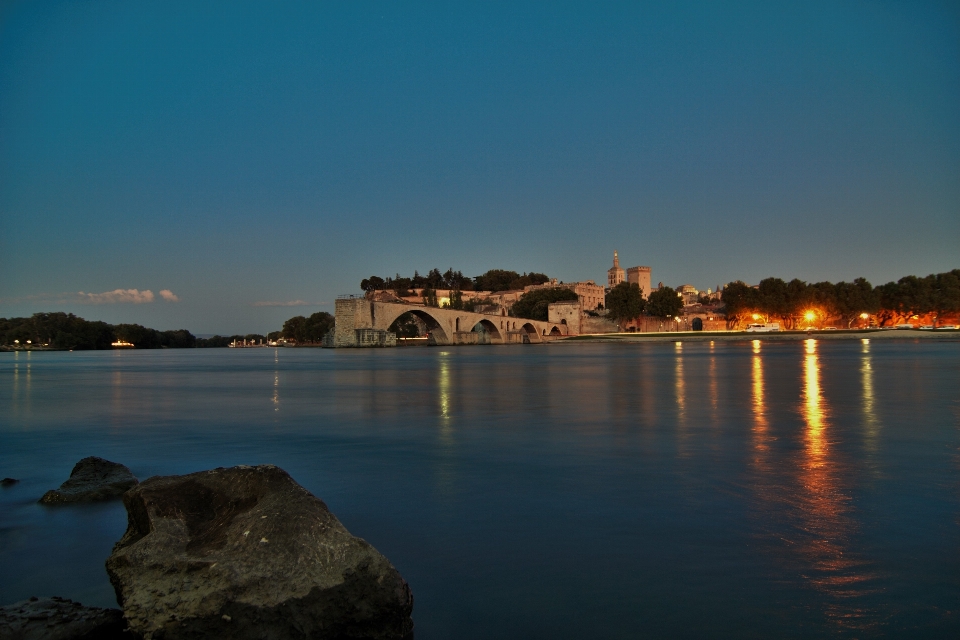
<point>777,336</point>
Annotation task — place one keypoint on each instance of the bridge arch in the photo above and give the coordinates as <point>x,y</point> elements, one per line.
<point>434,325</point>
<point>531,333</point>
<point>489,328</point>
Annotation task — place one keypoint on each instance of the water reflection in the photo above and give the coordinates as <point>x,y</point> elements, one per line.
<point>870,422</point>
<point>276,380</point>
<point>825,511</point>
<point>679,388</point>
<point>445,463</point>
<point>759,408</point>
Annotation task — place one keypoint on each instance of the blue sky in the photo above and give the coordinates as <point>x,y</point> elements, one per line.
<point>238,154</point>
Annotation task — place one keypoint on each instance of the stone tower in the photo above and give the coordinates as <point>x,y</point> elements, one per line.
<point>640,276</point>
<point>615,275</point>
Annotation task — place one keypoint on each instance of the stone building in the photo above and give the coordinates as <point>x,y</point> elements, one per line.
<point>591,295</point>
<point>615,275</point>
<point>567,313</point>
<point>640,276</point>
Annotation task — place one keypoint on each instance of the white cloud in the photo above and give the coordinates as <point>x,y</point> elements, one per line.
<point>117,296</point>
<point>169,296</point>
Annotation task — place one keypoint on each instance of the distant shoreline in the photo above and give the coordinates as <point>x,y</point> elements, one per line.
<point>775,336</point>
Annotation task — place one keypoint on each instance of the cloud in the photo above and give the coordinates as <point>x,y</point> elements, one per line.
<point>291,303</point>
<point>169,296</point>
<point>117,296</point>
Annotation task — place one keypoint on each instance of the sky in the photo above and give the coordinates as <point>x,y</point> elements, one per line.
<point>221,167</point>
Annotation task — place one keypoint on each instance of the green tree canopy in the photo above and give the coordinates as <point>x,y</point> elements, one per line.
<point>534,305</point>
<point>625,302</point>
<point>664,302</point>
<point>312,329</point>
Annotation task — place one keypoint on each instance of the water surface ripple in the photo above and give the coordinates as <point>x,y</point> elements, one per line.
<point>748,489</point>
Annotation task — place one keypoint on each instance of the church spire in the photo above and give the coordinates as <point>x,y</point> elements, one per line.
<point>616,260</point>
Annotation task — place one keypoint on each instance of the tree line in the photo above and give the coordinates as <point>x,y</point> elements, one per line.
<point>492,280</point>
<point>625,302</point>
<point>66,331</point>
<point>789,303</point>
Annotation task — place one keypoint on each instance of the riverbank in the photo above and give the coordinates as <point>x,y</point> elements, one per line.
<point>727,336</point>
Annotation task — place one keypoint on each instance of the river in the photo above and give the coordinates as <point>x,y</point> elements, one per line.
<point>736,489</point>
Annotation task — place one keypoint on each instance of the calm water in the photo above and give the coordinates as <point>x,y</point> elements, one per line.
<point>564,491</point>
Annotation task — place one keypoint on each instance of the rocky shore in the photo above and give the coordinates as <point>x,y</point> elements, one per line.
<point>241,552</point>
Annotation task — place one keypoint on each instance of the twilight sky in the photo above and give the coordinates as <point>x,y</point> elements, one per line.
<point>193,165</point>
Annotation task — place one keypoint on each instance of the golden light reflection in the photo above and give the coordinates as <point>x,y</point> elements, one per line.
<point>445,465</point>
<point>759,407</point>
<point>443,389</point>
<point>825,510</point>
<point>813,409</point>
<point>680,391</point>
<point>756,346</point>
<point>870,421</point>
<point>714,394</point>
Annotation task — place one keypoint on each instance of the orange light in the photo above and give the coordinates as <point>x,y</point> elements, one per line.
<point>864,315</point>
<point>810,316</point>
<point>756,316</point>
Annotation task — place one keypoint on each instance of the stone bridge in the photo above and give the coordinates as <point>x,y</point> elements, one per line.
<point>359,321</point>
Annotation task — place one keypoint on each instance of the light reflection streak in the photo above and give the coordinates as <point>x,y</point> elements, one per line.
<point>276,380</point>
<point>679,385</point>
<point>870,421</point>
<point>681,398</point>
<point>759,407</point>
<point>714,394</point>
<point>445,466</point>
<point>825,511</point>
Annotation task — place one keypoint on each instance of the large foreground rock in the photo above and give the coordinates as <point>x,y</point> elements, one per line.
<point>246,552</point>
<point>91,480</point>
<point>60,619</point>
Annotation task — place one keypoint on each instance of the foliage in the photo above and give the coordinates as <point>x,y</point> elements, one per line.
<point>305,330</point>
<point>534,305</point>
<point>501,280</point>
<point>456,301</point>
<point>935,294</point>
<point>430,297</point>
<point>625,302</point>
<point>66,331</point>
<point>664,302</point>
<point>493,280</point>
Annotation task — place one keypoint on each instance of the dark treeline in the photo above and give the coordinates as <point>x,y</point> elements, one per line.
<point>60,330</point>
<point>935,295</point>
<point>493,280</point>
<point>305,329</point>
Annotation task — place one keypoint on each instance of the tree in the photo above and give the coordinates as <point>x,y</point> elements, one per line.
<point>295,329</point>
<point>373,283</point>
<point>535,305</point>
<point>317,326</point>
<point>625,302</point>
<point>739,300</point>
<point>495,280</point>
<point>456,300</point>
<point>664,303</point>
<point>429,297</point>
<point>855,298</point>
<point>946,293</point>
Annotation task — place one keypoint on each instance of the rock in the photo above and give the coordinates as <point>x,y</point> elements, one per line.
<point>91,480</point>
<point>246,552</point>
<point>60,619</point>
<point>8,482</point>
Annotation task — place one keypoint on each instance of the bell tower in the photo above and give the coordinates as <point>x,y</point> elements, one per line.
<point>615,275</point>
